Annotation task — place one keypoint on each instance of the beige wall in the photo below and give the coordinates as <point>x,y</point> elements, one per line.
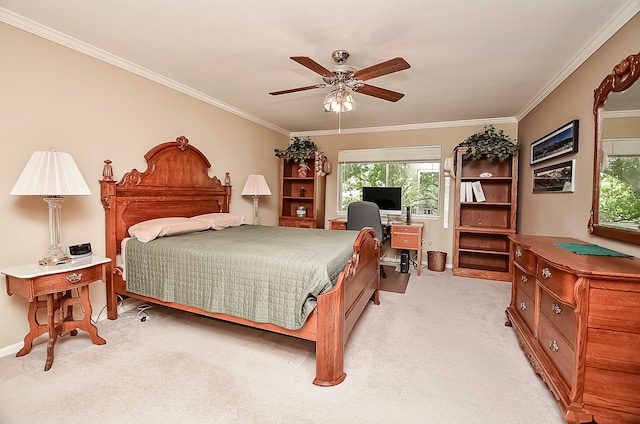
<point>54,96</point>
<point>567,214</point>
<point>435,236</point>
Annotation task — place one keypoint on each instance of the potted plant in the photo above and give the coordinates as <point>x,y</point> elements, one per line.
<point>300,150</point>
<point>490,144</point>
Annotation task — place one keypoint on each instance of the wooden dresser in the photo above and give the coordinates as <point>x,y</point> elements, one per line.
<point>577,319</point>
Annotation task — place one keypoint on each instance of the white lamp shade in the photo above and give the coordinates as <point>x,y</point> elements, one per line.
<point>50,173</point>
<point>256,185</point>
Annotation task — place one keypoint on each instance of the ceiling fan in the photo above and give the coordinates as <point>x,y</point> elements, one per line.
<point>343,77</point>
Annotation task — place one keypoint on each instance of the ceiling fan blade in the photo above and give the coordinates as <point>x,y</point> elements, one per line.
<point>313,65</point>
<point>383,68</point>
<point>294,90</point>
<point>381,93</point>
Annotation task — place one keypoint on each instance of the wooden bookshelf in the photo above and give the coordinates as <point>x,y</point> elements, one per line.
<point>295,191</point>
<point>481,240</point>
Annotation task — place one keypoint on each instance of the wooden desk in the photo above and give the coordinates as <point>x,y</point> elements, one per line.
<point>57,284</point>
<point>408,237</point>
<point>403,236</point>
<point>338,224</point>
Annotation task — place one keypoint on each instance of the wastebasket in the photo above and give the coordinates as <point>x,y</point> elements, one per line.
<point>436,261</point>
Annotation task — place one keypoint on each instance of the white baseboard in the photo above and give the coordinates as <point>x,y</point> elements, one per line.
<point>11,349</point>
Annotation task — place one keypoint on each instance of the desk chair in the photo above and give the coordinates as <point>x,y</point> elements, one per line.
<point>366,214</point>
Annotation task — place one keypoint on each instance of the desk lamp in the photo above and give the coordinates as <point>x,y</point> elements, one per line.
<point>256,186</point>
<point>53,175</point>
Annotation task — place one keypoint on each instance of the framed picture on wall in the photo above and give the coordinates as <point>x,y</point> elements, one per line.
<point>558,178</point>
<point>560,142</point>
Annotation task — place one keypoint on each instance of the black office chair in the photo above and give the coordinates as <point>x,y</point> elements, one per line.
<point>366,214</point>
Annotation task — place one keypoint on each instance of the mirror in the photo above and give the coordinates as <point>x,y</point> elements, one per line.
<point>615,209</point>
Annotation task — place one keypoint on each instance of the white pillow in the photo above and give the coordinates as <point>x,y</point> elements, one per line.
<point>219,221</point>
<point>146,231</point>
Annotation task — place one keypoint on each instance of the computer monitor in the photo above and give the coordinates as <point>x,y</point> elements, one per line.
<point>388,199</point>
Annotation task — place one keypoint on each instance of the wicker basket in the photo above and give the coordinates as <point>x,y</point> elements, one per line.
<point>436,261</point>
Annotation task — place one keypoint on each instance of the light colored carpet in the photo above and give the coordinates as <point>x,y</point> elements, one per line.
<point>439,353</point>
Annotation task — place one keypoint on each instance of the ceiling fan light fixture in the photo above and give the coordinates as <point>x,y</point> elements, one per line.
<point>339,100</point>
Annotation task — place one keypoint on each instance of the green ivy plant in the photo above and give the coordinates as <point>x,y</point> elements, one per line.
<point>489,144</point>
<point>300,149</point>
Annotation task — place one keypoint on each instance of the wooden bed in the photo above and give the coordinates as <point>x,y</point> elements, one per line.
<point>176,183</point>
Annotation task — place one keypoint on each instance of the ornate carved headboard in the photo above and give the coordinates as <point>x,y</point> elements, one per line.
<point>176,183</point>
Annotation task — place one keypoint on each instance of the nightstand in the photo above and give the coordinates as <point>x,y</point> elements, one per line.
<point>409,237</point>
<point>56,283</point>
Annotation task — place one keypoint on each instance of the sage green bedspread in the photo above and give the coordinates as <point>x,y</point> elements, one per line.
<point>261,273</point>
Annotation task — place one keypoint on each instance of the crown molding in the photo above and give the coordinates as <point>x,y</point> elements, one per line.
<point>628,11</point>
<point>409,127</point>
<point>50,34</point>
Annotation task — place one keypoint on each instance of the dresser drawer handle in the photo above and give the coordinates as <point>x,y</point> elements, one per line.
<point>546,273</point>
<point>556,309</point>
<point>523,306</point>
<point>74,278</point>
<point>553,345</point>
<point>518,253</point>
<point>524,279</point>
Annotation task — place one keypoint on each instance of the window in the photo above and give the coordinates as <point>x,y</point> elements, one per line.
<point>619,190</point>
<point>415,169</point>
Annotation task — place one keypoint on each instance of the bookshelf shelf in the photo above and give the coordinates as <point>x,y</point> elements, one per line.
<point>482,228</point>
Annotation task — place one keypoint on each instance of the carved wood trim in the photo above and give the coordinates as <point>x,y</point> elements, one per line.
<point>623,76</point>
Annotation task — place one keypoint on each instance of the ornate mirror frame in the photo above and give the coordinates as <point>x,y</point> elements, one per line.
<point>624,75</point>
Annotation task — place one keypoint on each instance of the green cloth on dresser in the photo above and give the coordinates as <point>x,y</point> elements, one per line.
<point>591,250</point>
<point>261,273</point>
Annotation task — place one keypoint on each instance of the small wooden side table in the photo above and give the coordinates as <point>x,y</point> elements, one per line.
<point>408,236</point>
<point>57,284</point>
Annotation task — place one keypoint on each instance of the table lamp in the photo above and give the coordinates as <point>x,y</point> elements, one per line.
<point>52,175</point>
<point>256,186</point>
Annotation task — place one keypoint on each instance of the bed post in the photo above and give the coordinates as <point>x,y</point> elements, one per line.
<point>330,341</point>
<point>107,194</point>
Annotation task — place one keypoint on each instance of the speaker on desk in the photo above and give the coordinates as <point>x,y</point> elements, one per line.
<point>404,262</point>
<point>408,214</point>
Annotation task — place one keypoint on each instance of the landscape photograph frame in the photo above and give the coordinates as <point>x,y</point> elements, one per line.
<point>556,178</point>
<point>559,142</point>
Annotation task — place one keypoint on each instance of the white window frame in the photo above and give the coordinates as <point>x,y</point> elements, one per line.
<point>430,153</point>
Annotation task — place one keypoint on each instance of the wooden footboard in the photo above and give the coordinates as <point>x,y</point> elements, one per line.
<point>176,183</point>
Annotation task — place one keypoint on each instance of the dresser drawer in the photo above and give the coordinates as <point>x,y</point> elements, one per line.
<point>405,229</point>
<point>560,283</point>
<point>557,349</point>
<point>614,349</point>
<point>604,388</point>
<point>524,258</point>
<point>335,224</point>
<point>526,282</point>
<point>560,314</point>
<point>525,308</point>
<point>405,241</point>
<point>54,283</point>
<point>614,305</point>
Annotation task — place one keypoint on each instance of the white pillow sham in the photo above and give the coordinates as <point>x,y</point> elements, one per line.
<point>220,220</point>
<point>146,231</point>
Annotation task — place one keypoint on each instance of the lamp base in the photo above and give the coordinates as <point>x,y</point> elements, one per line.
<point>255,210</point>
<point>55,255</point>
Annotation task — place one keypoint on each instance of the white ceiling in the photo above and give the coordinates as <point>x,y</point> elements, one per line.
<point>470,59</point>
